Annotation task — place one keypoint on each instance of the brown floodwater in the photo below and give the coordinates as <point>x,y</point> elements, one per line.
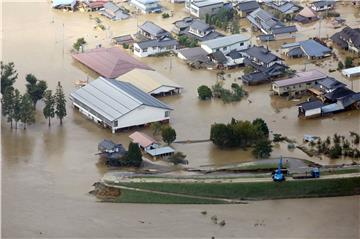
<point>47,172</point>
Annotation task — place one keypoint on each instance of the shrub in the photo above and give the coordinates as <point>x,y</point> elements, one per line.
<point>165,15</point>
<point>204,92</point>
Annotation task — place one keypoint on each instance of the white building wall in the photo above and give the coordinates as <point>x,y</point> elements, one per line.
<point>142,115</point>
<point>226,49</point>
<point>150,51</point>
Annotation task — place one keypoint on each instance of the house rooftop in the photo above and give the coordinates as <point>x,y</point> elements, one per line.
<point>301,77</point>
<point>248,6</point>
<point>330,83</point>
<point>112,99</point>
<point>205,3</point>
<point>142,139</point>
<point>164,42</point>
<point>226,40</point>
<point>153,29</point>
<point>308,12</point>
<point>338,93</point>
<point>309,105</point>
<point>160,151</point>
<point>193,53</point>
<point>109,62</point>
<point>310,47</point>
<point>323,3</point>
<point>199,25</point>
<point>146,80</point>
<point>262,54</point>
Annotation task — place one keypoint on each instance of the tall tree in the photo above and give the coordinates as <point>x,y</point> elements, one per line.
<point>262,149</point>
<point>35,88</point>
<point>49,109</point>
<point>17,107</point>
<point>27,112</point>
<point>168,134</point>
<point>262,126</point>
<point>8,75</point>
<point>60,103</point>
<point>134,155</point>
<point>7,104</point>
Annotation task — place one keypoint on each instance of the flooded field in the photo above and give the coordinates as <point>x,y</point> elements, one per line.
<point>47,172</point>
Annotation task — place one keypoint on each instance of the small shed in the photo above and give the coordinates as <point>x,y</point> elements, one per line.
<point>351,72</point>
<point>161,152</point>
<point>145,141</point>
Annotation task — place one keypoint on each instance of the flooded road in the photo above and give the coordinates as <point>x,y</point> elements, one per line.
<point>47,172</point>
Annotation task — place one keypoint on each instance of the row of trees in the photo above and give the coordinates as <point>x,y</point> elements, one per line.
<point>225,19</point>
<point>188,41</point>
<point>236,93</point>
<point>17,107</point>
<point>243,134</point>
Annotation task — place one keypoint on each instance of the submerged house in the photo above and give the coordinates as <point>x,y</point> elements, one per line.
<point>151,82</point>
<point>284,7</point>
<point>155,46</point>
<point>309,48</point>
<point>246,7</point>
<point>201,8</point>
<point>266,65</point>
<point>151,31</point>
<point>227,44</point>
<point>117,105</point>
<point>348,39</point>
<point>322,5</point>
<point>146,6</point>
<point>110,150</point>
<point>306,15</point>
<point>298,84</point>
<point>64,4</point>
<point>195,29</point>
<point>113,12</point>
<point>272,27</point>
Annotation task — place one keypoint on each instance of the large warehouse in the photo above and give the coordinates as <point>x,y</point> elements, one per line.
<point>151,82</point>
<point>118,105</point>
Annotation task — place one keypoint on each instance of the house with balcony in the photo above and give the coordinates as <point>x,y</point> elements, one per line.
<point>147,6</point>
<point>201,8</point>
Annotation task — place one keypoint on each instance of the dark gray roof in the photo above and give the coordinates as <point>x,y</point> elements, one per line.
<point>345,35</point>
<point>267,37</point>
<point>235,54</point>
<point>338,93</point>
<point>199,25</point>
<point>255,78</point>
<point>157,43</point>
<point>113,11</point>
<point>247,6</point>
<point>311,105</point>
<point>153,29</point>
<point>350,99</point>
<point>123,39</point>
<point>284,7</point>
<point>284,29</point>
<point>295,52</point>
<point>193,53</point>
<point>218,56</point>
<point>262,54</point>
<point>330,83</point>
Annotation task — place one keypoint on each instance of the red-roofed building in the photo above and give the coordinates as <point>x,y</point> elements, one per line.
<point>145,141</point>
<point>109,62</point>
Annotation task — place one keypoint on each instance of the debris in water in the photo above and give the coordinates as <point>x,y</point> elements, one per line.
<point>214,219</point>
<point>141,221</point>
<point>222,223</point>
<point>203,212</point>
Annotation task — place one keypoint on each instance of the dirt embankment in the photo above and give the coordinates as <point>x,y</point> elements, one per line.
<point>104,192</point>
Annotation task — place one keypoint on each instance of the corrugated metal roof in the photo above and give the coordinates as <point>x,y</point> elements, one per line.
<point>153,29</point>
<point>113,99</point>
<point>314,49</point>
<point>160,151</point>
<point>147,81</point>
<point>226,40</point>
<point>301,77</point>
<point>204,3</point>
<point>109,62</point>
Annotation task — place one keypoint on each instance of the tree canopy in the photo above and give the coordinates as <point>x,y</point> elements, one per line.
<point>168,134</point>
<point>262,149</point>
<point>60,103</point>
<point>49,108</point>
<point>27,112</point>
<point>8,75</point>
<point>134,156</point>
<point>35,88</point>
<point>204,92</point>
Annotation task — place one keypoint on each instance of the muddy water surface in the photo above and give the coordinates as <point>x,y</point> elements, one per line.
<point>47,172</point>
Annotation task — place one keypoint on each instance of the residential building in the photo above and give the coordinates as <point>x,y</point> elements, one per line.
<point>91,6</point>
<point>64,4</point>
<point>193,54</point>
<point>246,7</point>
<point>348,39</point>
<point>309,48</point>
<point>306,15</point>
<point>154,47</point>
<point>298,84</point>
<point>322,5</point>
<point>150,30</point>
<point>146,6</point>
<point>195,29</point>
<point>109,62</point>
<point>113,12</point>
<point>124,39</point>
<point>351,72</point>
<point>272,27</point>
<point>201,8</point>
<point>227,44</point>
<point>284,7</point>
<point>151,82</point>
<point>117,105</point>
<point>144,141</point>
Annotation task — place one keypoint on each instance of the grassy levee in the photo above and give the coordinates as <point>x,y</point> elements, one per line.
<point>253,191</point>
<point>130,196</point>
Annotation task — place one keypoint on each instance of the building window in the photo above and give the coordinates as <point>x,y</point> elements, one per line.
<point>241,43</point>
<point>115,123</point>
<point>167,113</point>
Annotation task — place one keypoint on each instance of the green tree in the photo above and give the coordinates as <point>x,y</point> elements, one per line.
<point>60,103</point>
<point>79,43</point>
<point>27,112</point>
<point>262,126</point>
<point>348,62</point>
<point>35,88</point>
<point>204,92</point>
<point>156,128</point>
<point>49,108</point>
<point>7,104</point>
<point>262,149</point>
<point>335,151</point>
<point>134,156</point>
<point>8,75</point>
<point>168,134</point>
<point>17,107</point>
<point>219,134</point>
<point>340,65</point>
